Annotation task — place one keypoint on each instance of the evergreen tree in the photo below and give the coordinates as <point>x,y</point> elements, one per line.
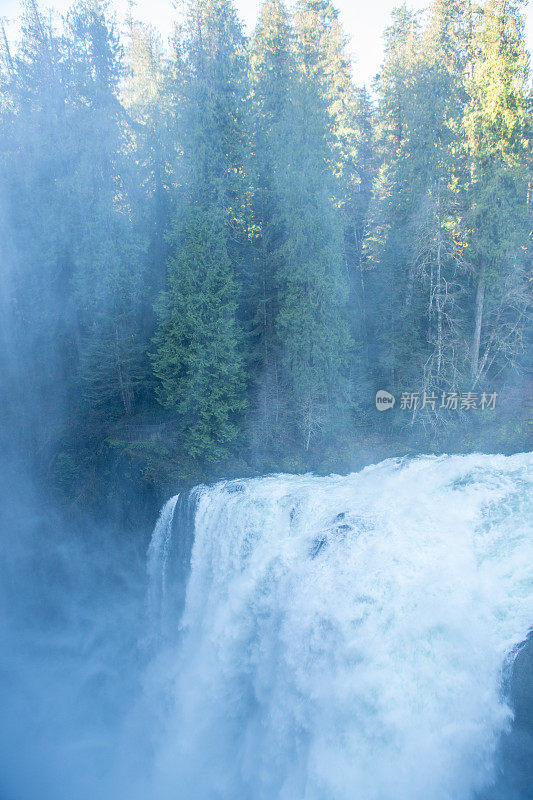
<point>396,193</point>
<point>312,321</point>
<point>197,361</point>
<point>321,51</point>
<point>301,237</point>
<point>418,233</point>
<point>145,95</point>
<point>76,245</point>
<point>198,358</point>
<point>302,318</point>
<point>498,127</point>
<point>36,153</point>
<point>322,47</point>
<point>272,73</point>
<point>110,246</point>
<point>357,211</point>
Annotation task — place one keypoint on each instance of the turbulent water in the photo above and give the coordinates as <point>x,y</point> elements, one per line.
<point>346,638</point>
<point>159,553</point>
<point>301,638</point>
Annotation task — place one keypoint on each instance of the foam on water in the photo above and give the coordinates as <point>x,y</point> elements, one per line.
<point>344,637</point>
<point>158,562</point>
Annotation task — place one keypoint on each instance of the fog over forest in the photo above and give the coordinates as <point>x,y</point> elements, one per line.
<point>231,281</point>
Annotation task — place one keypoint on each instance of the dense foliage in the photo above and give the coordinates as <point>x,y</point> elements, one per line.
<point>214,254</point>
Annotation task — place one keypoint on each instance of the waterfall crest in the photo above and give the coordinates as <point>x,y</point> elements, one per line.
<point>157,561</point>
<point>168,562</point>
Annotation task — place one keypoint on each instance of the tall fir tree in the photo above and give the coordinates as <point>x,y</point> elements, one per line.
<point>271,76</point>
<point>71,221</point>
<point>145,95</point>
<point>198,356</point>
<point>417,238</point>
<point>397,188</point>
<point>110,243</point>
<point>302,317</point>
<point>498,127</point>
<point>312,323</point>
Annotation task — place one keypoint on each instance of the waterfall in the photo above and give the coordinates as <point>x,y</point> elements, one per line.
<point>345,638</point>
<point>168,562</point>
<point>158,557</point>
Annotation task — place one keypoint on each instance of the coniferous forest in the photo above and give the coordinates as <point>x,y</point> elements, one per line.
<point>216,250</point>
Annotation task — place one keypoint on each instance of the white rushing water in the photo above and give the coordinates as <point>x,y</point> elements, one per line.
<point>344,638</point>
<point>158,565</point>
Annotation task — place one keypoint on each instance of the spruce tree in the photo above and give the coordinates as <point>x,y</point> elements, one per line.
<point>271,76</point>
<point>395,199</point>
<point>109,250</point>
<point>312,323</point>
<point>302,319</point>
<point>498,127</point>
<point>417,237</point>
<point>198,359</point>
<point>145,96</point>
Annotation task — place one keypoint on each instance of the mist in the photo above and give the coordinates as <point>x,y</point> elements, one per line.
<point>326,627</point>
<point>265,336</point>
<point>72,614</point>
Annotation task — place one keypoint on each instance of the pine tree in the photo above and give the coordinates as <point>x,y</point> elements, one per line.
<point>36,147</point>
<point>312,321</point>
<point>321,50</point>
<point>197,361</point>
<point>301,321</point>
<point>397,190</point>
<point>198,358</point>
<point>322,47</point>
<point>272,70</point>
<point>417,239</point>
<point>498,127</point>
<point>145,96</point>
<point>356,213</point>
<point>76,244</point>
<point>440,229</point>
<point>109,251</point>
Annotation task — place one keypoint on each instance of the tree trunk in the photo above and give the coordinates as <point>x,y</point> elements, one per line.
<point>439,309</point>
<point>362,292</point>
<point>478,321</point>
<point>125,393</point>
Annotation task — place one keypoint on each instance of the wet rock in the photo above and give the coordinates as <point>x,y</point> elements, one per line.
<point>514,780</point>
